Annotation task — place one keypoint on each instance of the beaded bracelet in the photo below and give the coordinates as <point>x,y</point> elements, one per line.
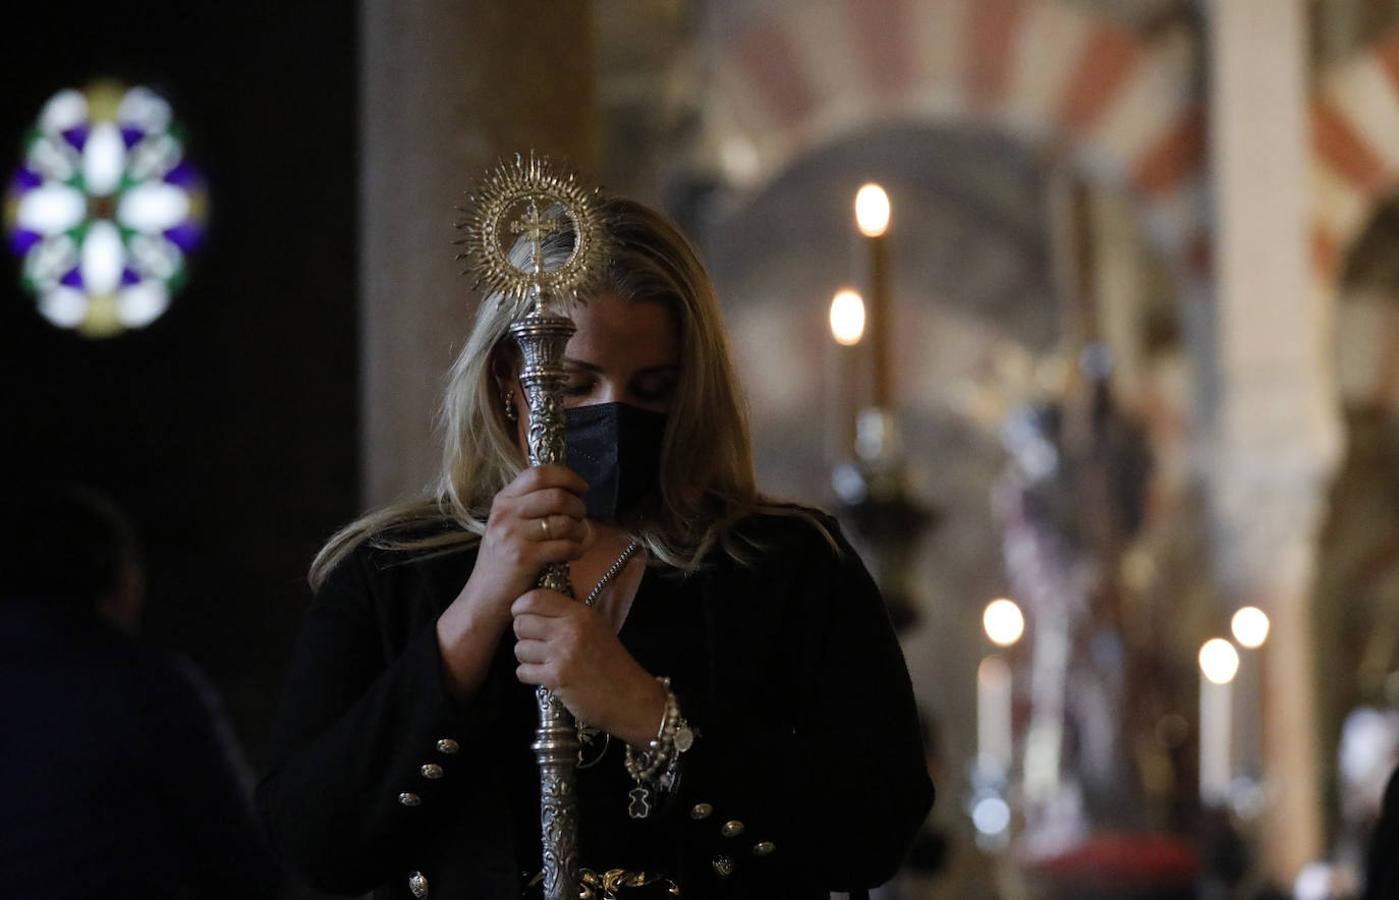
<point>643,765</point>
<point>657,766</point>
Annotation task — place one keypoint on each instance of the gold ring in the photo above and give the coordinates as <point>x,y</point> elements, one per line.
<point>544,526</point>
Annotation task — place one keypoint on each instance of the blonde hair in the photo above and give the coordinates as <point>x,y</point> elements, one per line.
<point>707,483</point>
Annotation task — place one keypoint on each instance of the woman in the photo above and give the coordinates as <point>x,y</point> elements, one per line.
<point>786,758</point>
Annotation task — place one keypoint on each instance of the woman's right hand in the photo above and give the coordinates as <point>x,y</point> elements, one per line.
<point>538,518</point>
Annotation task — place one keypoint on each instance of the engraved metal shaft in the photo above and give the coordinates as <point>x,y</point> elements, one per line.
<point>542,336</point>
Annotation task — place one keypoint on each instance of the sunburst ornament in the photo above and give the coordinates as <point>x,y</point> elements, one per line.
<point>529,199</point>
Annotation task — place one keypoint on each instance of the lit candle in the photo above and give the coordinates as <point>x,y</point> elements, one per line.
<point>1219,663</point>
<point>1250,627</point>
<point>847,327</point>
<point>872,212</point>
<point>993,714</point>
<point>1004,625</point>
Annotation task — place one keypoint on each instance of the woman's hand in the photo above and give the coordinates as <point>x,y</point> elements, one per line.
<point>538,518</point>
<point>572,650</point>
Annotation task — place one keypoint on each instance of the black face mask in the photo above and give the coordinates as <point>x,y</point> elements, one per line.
<point>616,447</point>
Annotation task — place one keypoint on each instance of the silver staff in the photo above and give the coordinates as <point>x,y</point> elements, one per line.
<point>545,203</point>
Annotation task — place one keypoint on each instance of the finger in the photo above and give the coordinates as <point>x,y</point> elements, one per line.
<point>536,478</point>
<point>532,626</point>
<point>568,528</point>
<point>554,528</point>
<point>532,652</point>
<point>549,502</point>
<point>534,673</point>
<point>556,551</point>
<point>564,477</point>
<point>541,602</point>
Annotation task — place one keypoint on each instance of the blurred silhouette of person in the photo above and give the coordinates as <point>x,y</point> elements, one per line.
<point>1382,869</point>
<point>1224,856</point>
<point>117,777</point>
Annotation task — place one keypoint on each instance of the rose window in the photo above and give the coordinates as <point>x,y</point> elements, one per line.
<point>104,209</point>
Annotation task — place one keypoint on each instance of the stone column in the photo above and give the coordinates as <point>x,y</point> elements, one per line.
<point>1120,281</point>
<point>1275,436</point>
<point>448,87</point>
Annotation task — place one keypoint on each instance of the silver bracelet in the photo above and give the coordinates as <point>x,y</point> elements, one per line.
<point>643,765</point>
<point>657,766</point>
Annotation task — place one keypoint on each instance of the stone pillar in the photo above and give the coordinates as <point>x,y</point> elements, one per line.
<point>448,87</point>
<point>1120,282</point>
<point>1275,436</point>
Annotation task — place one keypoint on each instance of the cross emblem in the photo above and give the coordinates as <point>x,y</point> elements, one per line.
<point>536,228</point>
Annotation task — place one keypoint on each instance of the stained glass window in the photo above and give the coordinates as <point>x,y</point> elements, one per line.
<point>104,209</point>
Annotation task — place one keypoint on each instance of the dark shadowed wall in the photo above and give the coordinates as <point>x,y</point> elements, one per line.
<point>228,429</point>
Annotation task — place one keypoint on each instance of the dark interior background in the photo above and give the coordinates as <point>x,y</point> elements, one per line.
<point>228,428</point>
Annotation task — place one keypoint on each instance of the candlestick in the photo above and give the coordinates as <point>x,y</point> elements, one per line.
<point>879,331</point>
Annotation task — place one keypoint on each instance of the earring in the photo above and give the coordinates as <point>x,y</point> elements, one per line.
<point>511,413</point>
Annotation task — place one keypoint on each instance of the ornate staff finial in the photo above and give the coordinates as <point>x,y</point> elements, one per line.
<point>529,198</point>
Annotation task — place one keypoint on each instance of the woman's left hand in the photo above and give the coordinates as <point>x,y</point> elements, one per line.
<point>572,650</point>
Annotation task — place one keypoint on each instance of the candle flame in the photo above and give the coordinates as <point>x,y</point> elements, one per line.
<point>1250,626</point>
<point>1003,621</point>
<point>1219,660</point>
<point>847,317</point>
<point>872,210</point>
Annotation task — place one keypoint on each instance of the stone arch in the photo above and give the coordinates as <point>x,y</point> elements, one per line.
<point>1046,72</point>
<point>1355,148</point>
<point>1366,346</point>
<point>1355,222</point>
<point>1355,144</point>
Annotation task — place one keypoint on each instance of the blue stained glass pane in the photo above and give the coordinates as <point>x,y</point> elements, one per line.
<point>77,136</point>
<point>186,235</point>
<point>130,135</point>
<point>22,240</point>
<point>26,178</point>
<point>73,279</point>
<point>183,175</point>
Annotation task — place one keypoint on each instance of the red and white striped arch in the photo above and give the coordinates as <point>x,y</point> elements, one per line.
<point>1355,146</point>
<point>1046,72</point>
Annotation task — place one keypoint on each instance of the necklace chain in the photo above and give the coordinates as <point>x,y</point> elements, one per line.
<point>611,572</point>
<point>586,733</point>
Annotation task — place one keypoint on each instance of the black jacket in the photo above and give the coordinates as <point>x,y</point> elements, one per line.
<point>809,733</point>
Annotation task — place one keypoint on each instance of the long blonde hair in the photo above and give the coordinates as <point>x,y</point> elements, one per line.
<point>707,483</point>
